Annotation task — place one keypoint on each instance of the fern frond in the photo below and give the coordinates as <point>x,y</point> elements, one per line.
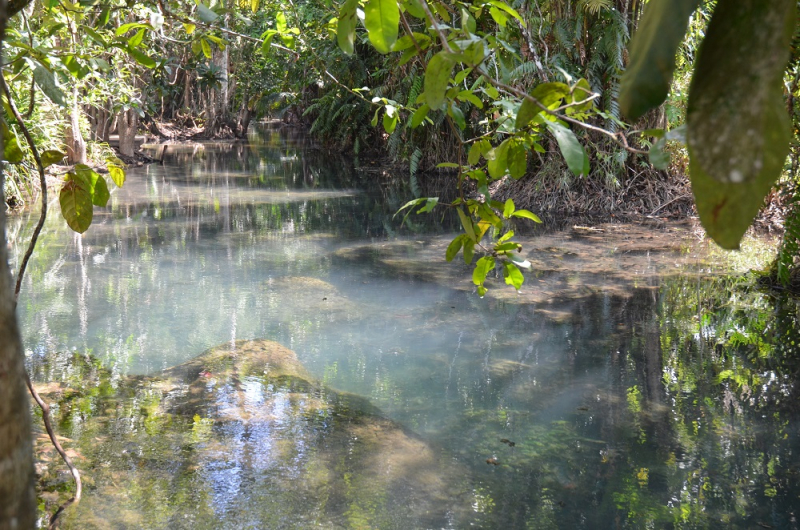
<point>413,165</point>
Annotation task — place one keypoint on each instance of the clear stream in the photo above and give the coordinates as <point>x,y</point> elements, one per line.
<point>632,383</point>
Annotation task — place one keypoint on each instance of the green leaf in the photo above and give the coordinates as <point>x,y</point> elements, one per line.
<point>519,261</point>
<point>430,204</point>
<point>437,75</point>
<point>581,92</point>
<point>466,222</point>
<point>498,16</point>
<point>94,35</point>
<point>469,250</point>
<point>484,266</point>
<point>454,112</point>
<point>141,58</point>
<point>407,56</point>
<point>548,94</point>
<point>94,184</point>
<point>76,203</point>
<point>51,156</point>
<point>525,214</point>
<point>389,123</point>
<point>216,40</point>
<point>517,160</point>
<point>346,28</point>
<point>658,156</point>
<point>451,165</point>
<point>419,116</point>
<point>737,128</point>
<point>513,275</point>
<point>47,82</point>
<point>137,39</point>
<point>453,248</point>
<point>414,7</point>
<point>647,79</point>
<point>474,155</point>
<point>498,160</point>
<point>508,208</point>
<point>117,173</point>
<point>267,44</point>
<point>508,9</point>
<point>105,16</point>
<point>573,152</point>
<point>280,22</point>
<point>467,95</point>
<point>205,14</point>
<point>11,150</point>
<point>206,47</point>
<point>382,19</point>
<point>123,29</point>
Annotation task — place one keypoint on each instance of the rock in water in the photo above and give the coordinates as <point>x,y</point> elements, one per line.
<point>243,437</point>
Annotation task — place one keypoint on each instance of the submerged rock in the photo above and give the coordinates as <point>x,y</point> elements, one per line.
<point>243,437</point>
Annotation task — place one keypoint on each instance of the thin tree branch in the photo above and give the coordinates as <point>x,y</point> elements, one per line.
<point>45,408</point>
<point>42,184</point>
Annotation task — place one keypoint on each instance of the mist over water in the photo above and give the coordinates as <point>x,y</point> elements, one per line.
<point>612,392</point>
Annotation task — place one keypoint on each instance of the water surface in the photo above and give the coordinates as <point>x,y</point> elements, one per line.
<point>626,386</point>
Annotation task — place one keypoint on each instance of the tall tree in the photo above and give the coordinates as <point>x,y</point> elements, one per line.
<point>17,507</point>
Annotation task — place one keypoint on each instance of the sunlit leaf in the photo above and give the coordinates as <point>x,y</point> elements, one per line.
<point>51,156</point>
<point>137,39</point>
<point>382,19</point>
<point>117,174</point>
<point>76,203</point>
<point>573,152</point>
<point>94,184</point>
<point>548,94</point>
<point>508,208</point>
<point>525,214</point>
<point>483,267</point>
<point>513,275</point>
<point>206,47</point>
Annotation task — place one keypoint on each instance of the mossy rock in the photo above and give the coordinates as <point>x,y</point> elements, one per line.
<point>243,437</point>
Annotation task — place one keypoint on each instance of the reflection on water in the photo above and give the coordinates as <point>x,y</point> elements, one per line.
<point>610,393</point>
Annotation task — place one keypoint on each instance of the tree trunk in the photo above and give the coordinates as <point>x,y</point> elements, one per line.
<point>17,499</point>
<point>244,122</point>
<point>76,145</point>
<point>127,124</point>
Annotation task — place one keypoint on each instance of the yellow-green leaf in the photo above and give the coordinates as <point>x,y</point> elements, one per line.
<point>382,19</point>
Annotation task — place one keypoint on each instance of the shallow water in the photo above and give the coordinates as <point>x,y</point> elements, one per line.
<point>630,384</point>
